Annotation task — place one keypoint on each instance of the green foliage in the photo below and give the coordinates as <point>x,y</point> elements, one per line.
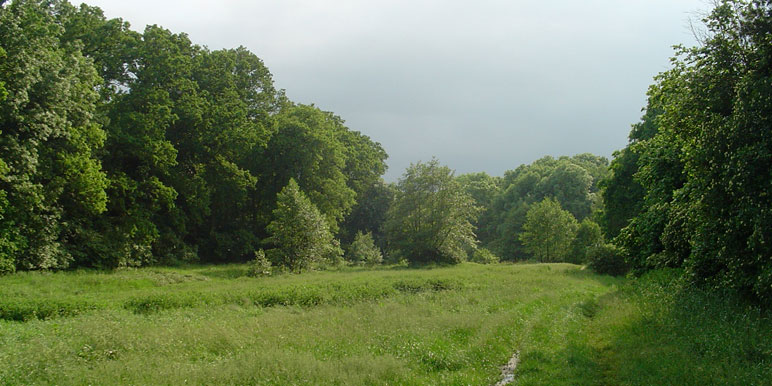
<point>704,158</point>
<point>622,193</point>
<point>548,231</point>
<point>483,189</point>
<point>53,182</point>
<point>606,259</point>
<point>122,149</point>
<point>588,235</point>
<point>260,266</point>
<point>299,232</point>
<point>307,148</point>
<point>573,181</point>
<point>431,218</point>
<point>363,250</point>
<point>369,214</point>
<point>484,256</point>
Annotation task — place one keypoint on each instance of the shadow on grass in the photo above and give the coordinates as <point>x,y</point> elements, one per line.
<point>659,330</point>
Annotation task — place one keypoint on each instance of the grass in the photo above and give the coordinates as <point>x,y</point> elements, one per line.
<point>657,330</point>
<point>396,326</point>
<point>205,325</point>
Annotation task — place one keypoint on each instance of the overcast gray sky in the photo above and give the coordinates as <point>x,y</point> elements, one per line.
<point>483,85</point>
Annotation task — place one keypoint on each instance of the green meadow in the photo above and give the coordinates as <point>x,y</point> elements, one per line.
<point>393,325</point>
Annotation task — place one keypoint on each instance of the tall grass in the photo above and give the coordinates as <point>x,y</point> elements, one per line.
<point>657,330</point>
<point>442,326</point>
<point>204,325</point>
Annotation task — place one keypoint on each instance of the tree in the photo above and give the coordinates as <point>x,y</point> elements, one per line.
<point>705,167</point>
<point>308,149</point>
<point>588,235</point>
<point>369,214</point>
<point>431,218</point>
<point>299,232</point>
<point>483,188</point>
<point>53,181</point>
<point>572,181</point>
<point>622,193</point>
<point>484,256</point>
<point>548,231</point>
<point>363,250</point>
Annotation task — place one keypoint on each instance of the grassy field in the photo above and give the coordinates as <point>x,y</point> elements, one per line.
<point>396,326</point>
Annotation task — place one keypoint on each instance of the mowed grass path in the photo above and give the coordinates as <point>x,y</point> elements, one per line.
<point>213,325</point>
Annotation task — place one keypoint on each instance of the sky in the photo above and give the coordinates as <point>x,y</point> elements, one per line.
<point>483,85</point>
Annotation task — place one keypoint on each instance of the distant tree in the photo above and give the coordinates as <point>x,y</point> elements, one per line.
<point>607,259</point>
<point>569,184</point>
<point>588,235</point>
<point>572,181</point>
<point>369,214</point>
<point>299,232</point>
<point>431,218</point>
<point>484,189</point>
<point>548,231</point>
<point>363,250</point>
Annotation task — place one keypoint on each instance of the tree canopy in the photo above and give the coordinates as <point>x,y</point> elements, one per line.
<point>431,217</point>
<point>548,231</point>
<point>124,148</point>
<point>700,159</point>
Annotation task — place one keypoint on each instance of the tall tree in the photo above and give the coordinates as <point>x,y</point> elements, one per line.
<point>570,180</point>
<point>706,170</point>
<point>622,193</point>
<point>483,188</point>
<point>431,218</point>
<point>548,231</point>
<point>53,181</point>
<point>369,214</point>
<point>307,148</point>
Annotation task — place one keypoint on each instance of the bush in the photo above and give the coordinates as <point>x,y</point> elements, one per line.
<point>484,256</point>
<point>606,259</point>
<point>260,266</point>
<point>363,250</point>
<point>7,265</point>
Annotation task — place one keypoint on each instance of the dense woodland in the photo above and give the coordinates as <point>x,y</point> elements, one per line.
<point>121,148</point>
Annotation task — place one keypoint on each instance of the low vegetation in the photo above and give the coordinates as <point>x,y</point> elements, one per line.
<point>396,325</point>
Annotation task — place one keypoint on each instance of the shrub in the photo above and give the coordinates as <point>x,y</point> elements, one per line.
<point>606,259</point>
<point>363,250</point>
<point>484,256</point>
<point>260,266</point>
<point>7,265</point>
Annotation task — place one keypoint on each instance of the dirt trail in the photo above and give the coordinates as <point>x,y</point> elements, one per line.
<point>508,370</point>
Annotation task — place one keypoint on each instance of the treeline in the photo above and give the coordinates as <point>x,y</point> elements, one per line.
<point>693,188</point>
<point>121,148</point>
